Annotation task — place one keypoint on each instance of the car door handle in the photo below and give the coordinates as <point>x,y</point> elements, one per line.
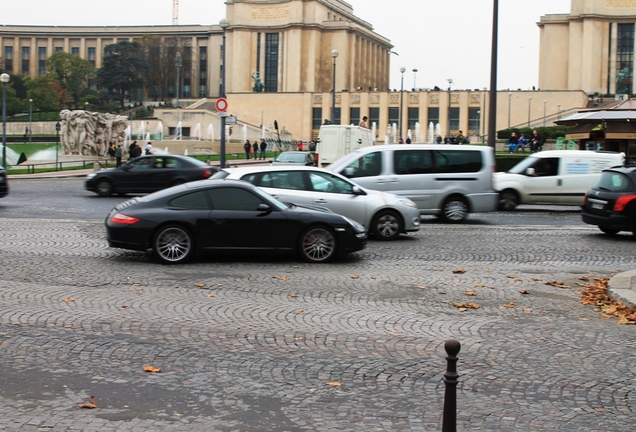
<point>320,201</point>
<point>560,182</point>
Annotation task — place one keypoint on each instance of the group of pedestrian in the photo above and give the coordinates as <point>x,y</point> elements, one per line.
<point>535,143</point>
<point>255,150</point>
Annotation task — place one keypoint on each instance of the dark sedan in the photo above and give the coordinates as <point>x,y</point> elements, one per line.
<point>4,183</point>
<point>611,203</point>
<point>295,158</point>
<point>228,215</point>
<point>148,174</point>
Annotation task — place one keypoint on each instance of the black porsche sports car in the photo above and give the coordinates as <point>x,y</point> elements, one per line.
<point>228,215</point>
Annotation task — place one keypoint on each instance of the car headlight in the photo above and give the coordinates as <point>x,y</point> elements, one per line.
<point>90,176</point>
<point>356,226</point>
<point>407,202</point>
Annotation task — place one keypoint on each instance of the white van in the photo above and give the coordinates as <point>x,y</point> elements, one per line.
<point>558,177</point>
<point>335,141</point>
<point>442,180</point>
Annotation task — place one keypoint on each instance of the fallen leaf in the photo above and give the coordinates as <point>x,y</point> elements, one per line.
<point>459,271</point>
<point>137,293</point>
<point>557,284</point>
<point>466,305</point>
<point>293,295</point>
<point>211,295</point>
<point>152,369</point>
<point>300,313</point>
<point>526,309</point>
<point>136,284</point>
<point>536,279</point>
<point>283,278</point>
<point>595,294</point>
<point>68,299</point>
<point>585,278</point>
<point>355,277</point>
<point>125,307</point>
<point>176,286</point>
<point>199,285</point>
<point>91,405</point>
<point>470,293</point>
<point>299,338</point>
<point>374,277</point>
<point>479,285</point>
<point>441,292</point>
<point>421,287</point>
<point>511,305</point>
<point>27,279</point>
<point>512,277</point>
<point>524,292</point>
<point>584,319</point>
<point>219,284</point>
<point>334,384</point>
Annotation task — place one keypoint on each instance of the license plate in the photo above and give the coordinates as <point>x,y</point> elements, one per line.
<point>597,206</point>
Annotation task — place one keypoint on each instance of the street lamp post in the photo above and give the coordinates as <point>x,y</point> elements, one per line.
<point>414,79</point>
<point>483,115</point>
<point>509,97</point>
<point>30,119</point>
<point>334,54</point>
<point>529,108</point>
<point>402,70</point>
<point>4,78</point>
<point>450,81</point>
<point>57,143</point>
<point>544,102</point>
<point>224,23</point>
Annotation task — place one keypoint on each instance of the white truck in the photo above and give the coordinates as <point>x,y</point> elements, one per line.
<point>335,141</point>
<point>553,177</point>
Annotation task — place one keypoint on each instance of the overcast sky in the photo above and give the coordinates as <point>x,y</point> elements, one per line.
<point>440,38</point>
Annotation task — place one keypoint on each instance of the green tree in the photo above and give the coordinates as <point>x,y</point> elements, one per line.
<point>122,70</point>
<point>161,54</point>
<point>46,92</point>
<point>72,72</point>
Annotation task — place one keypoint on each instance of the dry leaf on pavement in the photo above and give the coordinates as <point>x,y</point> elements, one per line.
<point>152,369</point>
<point>91,405</point>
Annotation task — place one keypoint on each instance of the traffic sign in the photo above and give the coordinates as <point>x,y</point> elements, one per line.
<point>221,104</point>
<point>230,120</point>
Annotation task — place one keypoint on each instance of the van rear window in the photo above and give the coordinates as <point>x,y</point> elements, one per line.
<point>437,161</point>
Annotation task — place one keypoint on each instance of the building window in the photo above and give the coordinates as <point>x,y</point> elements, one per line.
<point>474,120</point>
<point>75,51</point>
<point>625,59</point>
<point>8,58</point>
<point>59,49</point>
<point>337,116</point>
<point>92,55</point>
<point>258,52</point>
<point>394,118</point>
<point>454,119</point>
<point>433,116</point>
<point>354,116</point>
<point>413,118</point>
<point>316,118</point>
<point>203,71</point>
<point>374,117</point>
<point>26,60</point>
<point>271,62</point>
<point>41,61</point>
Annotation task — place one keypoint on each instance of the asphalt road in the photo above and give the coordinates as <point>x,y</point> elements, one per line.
<point>253,343</point>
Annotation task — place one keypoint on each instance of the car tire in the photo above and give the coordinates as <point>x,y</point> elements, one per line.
<point>508,200</point>
<point>173,244</point>
<point>608,231</point>
<point>317,244</point>
<point>104,188</point>
<point>454,209</point>
<point>386,225</point>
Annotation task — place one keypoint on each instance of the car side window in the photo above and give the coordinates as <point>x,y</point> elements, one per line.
<point>412,162</point>
<point>196,200</point>
<point>234,199</point>
<point>172,163</point>
<point>457,161</point>
<point>288,180</point>
<point>368,165</point>
<point>323,182</point>
<point>142,163</point>
<point>545,167</point>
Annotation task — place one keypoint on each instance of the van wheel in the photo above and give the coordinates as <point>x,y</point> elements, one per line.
<point>508,200</point>
<point>455,209</point>
<point>386,225</point>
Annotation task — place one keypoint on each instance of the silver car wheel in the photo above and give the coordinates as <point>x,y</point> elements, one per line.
<point>455,210</point>
<point>104,188</point>
<point>386,226</point>
<point>173,244</point>
<point>317,245</point>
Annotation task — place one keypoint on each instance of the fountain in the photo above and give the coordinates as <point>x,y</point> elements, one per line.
<point>438,130</point>
<point>142,130</point>
<point>160,131</point>
<point>417,132</point>
<point>179,132</point>
<point>431,133</point>
<point>244,133</point>
<point>210,135</point>
<point>409,135</point>
<point>197,131</point>
<point>394,133</point>
<point>45,154</point>
<point>373,129</point>
<point>185,153</point>
<point>147,136</point>
<point>386,139</point>
<point>12,156</point>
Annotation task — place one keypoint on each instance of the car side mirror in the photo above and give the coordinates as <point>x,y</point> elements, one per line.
<point>530,171</point>
<point>357,191</point>
<point>348,172</point>
<point>264,208</point>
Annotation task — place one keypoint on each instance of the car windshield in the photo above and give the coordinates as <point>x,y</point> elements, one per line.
<point>291,157</point>
<point>614,181</point>
<point>220,175</point>
<point>521,167</point>
<point>279,205</point>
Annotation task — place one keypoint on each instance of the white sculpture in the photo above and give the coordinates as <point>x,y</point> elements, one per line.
<point>91,133</point>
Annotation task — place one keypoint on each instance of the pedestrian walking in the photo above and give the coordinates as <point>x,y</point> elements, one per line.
<point>255,149</point>
<point>263,149</point>
<point>118,154</point>
<point>248,148</point>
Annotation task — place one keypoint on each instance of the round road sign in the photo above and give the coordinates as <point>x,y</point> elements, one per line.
<point>221,104</point>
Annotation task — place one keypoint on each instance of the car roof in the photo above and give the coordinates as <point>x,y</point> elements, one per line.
<point>242,170</point>
<point>295,152</point>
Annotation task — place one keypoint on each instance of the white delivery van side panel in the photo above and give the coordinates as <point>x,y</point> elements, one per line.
<point>335,141</point>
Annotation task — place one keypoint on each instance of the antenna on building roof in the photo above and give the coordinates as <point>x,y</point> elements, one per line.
<point>175,12</point>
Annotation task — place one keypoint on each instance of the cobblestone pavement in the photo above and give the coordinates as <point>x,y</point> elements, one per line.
<point>253,343</point>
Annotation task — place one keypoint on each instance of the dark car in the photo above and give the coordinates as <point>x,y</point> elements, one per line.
<point>228,215</point>
<point>4,183</point>
<point>611,203</point>
<point>148,174</point>
<point>295,158</point>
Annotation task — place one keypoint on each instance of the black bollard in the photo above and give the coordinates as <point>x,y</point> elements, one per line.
<point>449,422</point>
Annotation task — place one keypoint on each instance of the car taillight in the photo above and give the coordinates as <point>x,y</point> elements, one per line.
<point>123,219</point>
<point>316,155</point>
<point>585,201</point>
<point>207,173</point>
<point>622,202</point>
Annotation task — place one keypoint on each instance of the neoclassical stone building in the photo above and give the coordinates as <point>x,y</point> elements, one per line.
<point>589,49</point>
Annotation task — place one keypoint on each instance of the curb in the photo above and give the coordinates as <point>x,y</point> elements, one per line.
<point>622,287</point>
